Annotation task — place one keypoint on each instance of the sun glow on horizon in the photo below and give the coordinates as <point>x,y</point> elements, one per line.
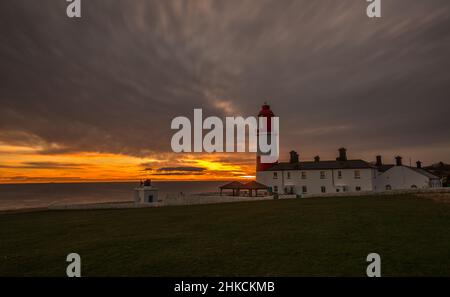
<point>24,164</point>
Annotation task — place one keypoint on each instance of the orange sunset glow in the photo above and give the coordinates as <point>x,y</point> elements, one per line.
<point>23,164</point>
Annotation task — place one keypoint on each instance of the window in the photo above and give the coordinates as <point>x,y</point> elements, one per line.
<point>275,189</point>
<point>275,175</point>
<point>288,175</point>
<point>358,188</point>
<point>303,175</point>
<point>339,174</point>
<point>413,187</point>
<point>357,174</point>
<point>338,190</point>
<point>289,190</point>
<point>322,175</point>
<point>304,189</point>
<point>323,189</point>
<point>388,187</point>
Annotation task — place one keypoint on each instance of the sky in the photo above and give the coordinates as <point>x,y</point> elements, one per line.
<point>92,99</point>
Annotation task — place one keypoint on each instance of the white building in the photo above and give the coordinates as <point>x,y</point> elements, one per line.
<point>342,175</point>
<point>401,177</point>
<point>146,193</point>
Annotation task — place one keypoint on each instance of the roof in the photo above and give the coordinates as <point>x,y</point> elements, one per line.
<point>441,166</point>
<point>383,168</point>
<point>322,165</point>
<point>349,164</point>
<point>233,185</point>
<point>251,185</point>
<point>424,172</point>
<point>254,185</point>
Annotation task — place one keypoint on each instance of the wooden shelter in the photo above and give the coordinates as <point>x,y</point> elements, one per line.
<point>234,186</point>
<point>254,186</point>
<point>237,187</point>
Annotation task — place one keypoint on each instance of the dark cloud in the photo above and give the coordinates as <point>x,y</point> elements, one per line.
<point>45,165</point>
<point>178,173</point>
<point>113,80</point>
<point>43,179</point>
<point>182,168</point>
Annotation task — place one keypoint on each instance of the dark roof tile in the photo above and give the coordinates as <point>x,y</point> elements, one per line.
<point>254,185</point>
<point>322,165</point>
<point>233,185</point>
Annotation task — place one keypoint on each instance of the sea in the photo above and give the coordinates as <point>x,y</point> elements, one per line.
<point>30,196</point>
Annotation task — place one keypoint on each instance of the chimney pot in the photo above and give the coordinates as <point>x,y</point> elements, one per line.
<point>317,159</point>
<point>342,154</point>
<point>398,161</point>
<point>379,161</point>
<point>293,157</point>
<point>419,164</point>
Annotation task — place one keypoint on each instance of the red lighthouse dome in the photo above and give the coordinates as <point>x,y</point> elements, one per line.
<point>265,112</point>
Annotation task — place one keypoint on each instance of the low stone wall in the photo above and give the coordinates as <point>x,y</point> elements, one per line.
<point>382,193</point>
<point>104,205</point>
<point>169,200</point>
<point>207,199</point>
<point>213,198</point>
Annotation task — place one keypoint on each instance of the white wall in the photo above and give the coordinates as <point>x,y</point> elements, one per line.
<point>141,195</point>
<point>314,182</point>
<point>401,178</point>
<point>266,178</point>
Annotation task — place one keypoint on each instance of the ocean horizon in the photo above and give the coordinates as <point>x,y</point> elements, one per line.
<point>43,195</point>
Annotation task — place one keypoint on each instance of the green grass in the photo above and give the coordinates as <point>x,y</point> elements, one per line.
<point>301,237</point>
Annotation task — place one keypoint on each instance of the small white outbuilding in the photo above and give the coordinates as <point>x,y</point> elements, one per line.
<point>146,193</point>
<point>401,177</point>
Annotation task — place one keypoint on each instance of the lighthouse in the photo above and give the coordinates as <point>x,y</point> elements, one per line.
<point>145,193</point>
<point>268,115</point>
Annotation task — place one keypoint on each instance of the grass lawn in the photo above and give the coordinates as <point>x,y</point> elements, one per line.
<point>299,237</point>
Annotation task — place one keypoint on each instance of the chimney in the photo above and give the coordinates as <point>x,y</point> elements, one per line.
<point>379,162</point>
<point>316,159</point>
<point>294,157</point>
<point>419,164</point>
<point>398,161</point>
<point>342,154</point>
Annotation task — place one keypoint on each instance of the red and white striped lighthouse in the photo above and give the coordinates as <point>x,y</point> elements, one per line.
<point>266,113</point>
